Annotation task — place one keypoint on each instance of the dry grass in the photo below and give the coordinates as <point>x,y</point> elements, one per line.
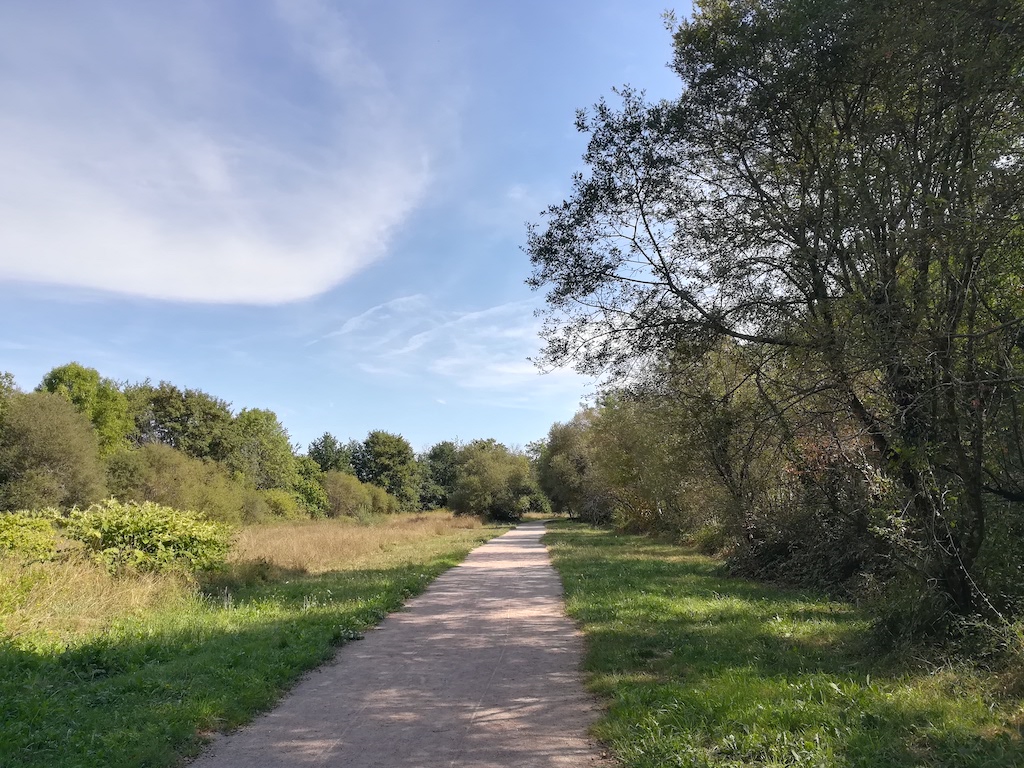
<point>332,545</point>
<point>72,598</point>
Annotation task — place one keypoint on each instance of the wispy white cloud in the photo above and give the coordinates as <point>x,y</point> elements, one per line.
<point>480,354</point>
<point>170,154</point>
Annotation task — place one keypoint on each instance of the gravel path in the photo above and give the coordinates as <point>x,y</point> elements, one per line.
<point>480,671</point>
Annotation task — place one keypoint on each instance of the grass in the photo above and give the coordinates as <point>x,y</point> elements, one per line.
<point>704,670</point>
<point>141,670</point>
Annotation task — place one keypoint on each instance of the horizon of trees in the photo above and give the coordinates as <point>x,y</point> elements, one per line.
<point>78,437</point>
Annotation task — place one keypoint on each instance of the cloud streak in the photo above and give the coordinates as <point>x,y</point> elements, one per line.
<point>482,354</point>
<point>166,158</point>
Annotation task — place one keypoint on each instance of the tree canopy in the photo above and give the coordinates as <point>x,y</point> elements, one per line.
<point>838,188</point>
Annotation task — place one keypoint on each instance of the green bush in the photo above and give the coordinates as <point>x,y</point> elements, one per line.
<point>382,502</point>
<point>159,473</point>
<point>49,455</point>
<point>284,504</point>
<point>346,496</point>
<point>149,536</point>
<point>31,537</point>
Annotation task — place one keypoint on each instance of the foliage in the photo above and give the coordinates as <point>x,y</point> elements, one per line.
<point>440,467</point>
<point>704,670</point>
<point>284,504</point>
<point>30,537</point>
<point>387,460</point>
<point>495,483</point>
<point>101,400</point>
<point>49,455</point>
<point>159,473</point>
<point>330,454</point>
<point>263,450</point>
<point>309,486</point>
<point>190,420</point>
<point>790,202</point>
<point>346,495</point>
<point>148,536</point>
<point>146,687</point>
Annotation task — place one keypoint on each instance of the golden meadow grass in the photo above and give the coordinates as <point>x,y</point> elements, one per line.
<point>317,546</point>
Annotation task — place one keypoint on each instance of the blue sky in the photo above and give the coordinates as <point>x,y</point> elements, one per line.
<point>313,207</point>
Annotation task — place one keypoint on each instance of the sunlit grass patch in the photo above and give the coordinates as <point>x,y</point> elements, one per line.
<point>704,670</point>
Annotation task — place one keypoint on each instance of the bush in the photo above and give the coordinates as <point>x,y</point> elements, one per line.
<point>49,455</point>
<point>346,495</point>
<point>382,502</point>
<point>159,473</point>
<point>149,536</point>
<point>31,537</point>
<point>284,504</point>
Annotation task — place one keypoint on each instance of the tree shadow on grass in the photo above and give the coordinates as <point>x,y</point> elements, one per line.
<point>703,669</point>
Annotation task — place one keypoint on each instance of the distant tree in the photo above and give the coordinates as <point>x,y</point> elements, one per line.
<point>331,454</point>
<point>7,391</point>
<point>439,470</point>
<point>100,399</point>
<point>387,460</point>
<point>309,486</point>
<point>495,483</point>
<point>49,454</point>
<point>263,452</point>
<point>190,420</point>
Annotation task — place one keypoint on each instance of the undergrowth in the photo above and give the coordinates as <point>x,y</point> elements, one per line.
<point>705,670</point>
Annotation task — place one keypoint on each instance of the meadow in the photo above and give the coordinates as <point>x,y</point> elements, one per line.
<point>141,669</point>
<point>699,669</point>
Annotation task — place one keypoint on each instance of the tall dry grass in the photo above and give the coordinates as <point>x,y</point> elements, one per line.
<point>318,546</point>
<point>69,599</point>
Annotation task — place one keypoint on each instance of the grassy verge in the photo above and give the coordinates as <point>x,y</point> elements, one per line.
<point>704,670</point>
<point>137,671</point>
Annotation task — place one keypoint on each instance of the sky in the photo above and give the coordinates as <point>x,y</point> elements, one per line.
<point>308,206</point>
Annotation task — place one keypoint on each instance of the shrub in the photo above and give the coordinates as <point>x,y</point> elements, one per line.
<point>159,473</point>
<point>346,495</point>
<point>149,536</point>
<point>284,504</point>
<point>31,537</point>
<point>382,502</point>
<point>49,455</point>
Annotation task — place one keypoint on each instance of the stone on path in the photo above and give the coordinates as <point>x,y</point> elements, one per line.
<point>480,671</point>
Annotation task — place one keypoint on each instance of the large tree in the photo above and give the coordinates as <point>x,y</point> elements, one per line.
<point>840,186</point>
<point>190,420</point>
<point>387,460</point>
<point>100,399</point>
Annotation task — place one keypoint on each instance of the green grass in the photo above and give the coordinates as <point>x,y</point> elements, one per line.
<point>150,688</point>
<point>703,670</point>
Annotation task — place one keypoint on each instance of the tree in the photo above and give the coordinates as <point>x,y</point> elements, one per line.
<point>495,483</point>
<point>100,399</point>
<point>840,185</point>
<point>49,455</point>
<point>331,454</point>
<point>440,470</point>
<point>387,460</point>
<point>198,424</point>
<point>263,452</point>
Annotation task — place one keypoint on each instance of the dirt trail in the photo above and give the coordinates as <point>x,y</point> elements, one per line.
<point>480,671</point>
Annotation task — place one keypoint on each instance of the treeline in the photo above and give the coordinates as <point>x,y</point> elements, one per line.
<point>78,438</point>
<point>805,273</point>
